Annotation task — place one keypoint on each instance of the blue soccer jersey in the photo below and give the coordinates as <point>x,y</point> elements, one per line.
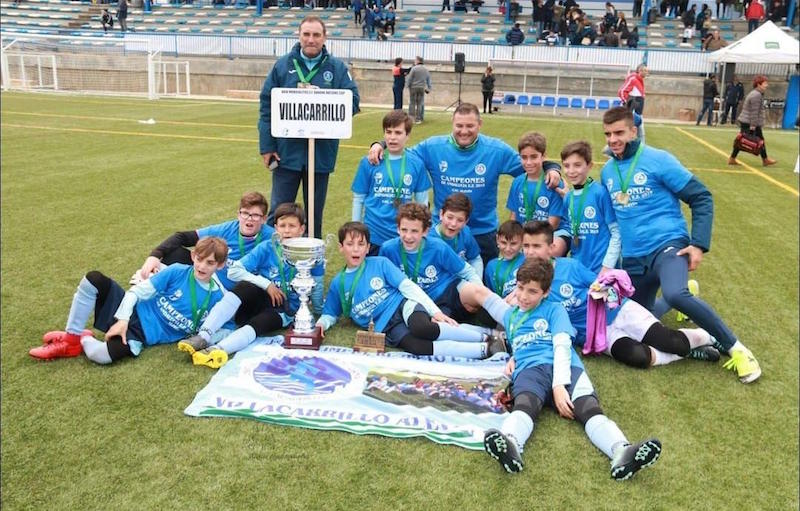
<point>533,200</point>
<point>382,185</point>
<point>238,245</point>
<point>267,261</point>
<point>175,311</point>
<point>474,171</point>
<point>375,295</point>
<point>530,335</point>
<point>501,274</point>
<point>463,243</point>
<point>433,266</point>
<point>590,213</point>
<point>651,216</point>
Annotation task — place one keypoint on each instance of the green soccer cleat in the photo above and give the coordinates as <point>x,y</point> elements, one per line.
<point>745,365</point>
<point>694,288</point>
<point>192,344</point>
<point>503,449</point>
<point>212,357</point>
<point>704,353</point>
<point>632,458</point>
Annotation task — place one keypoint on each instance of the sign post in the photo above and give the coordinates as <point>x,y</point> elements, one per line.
<point>311,113</point>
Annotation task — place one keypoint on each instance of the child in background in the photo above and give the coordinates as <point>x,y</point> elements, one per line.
<point>378,190</point>
<point>162,309</point>
<point>453,230</point>
<point>501,273</point>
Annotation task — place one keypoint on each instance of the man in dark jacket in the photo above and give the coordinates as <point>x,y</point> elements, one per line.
<point>710,92</point>
<point>308,65</point>
<point>515,36</point>
<point>734,93</point>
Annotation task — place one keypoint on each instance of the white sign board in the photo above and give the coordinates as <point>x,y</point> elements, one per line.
<point>312,113</point>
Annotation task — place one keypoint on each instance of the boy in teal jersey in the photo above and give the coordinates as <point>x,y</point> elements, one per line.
<point>159,310</point>
<point>595,234</point>
<point>545,370</point>
<point>501,273</point>
<point>374,289</point>
<point>452,228</point>
<point>529,198</point>
<point>378,190</point>
<point>262,301</point>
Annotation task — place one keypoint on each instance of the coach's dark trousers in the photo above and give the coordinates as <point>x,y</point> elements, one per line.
<point>285,184</point>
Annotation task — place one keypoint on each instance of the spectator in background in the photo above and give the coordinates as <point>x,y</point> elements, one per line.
<point>610,18</point>
<point>609,39</point>
<point>537,16</point>
<point>778,11</point>
<point>688,17</point>
<point>633,38</point>
<point>637,9</point>
<point>632,90</point>
<point>107,20</point>
<point>419,84</point>
<point>445,5</point>
<point>714,42</point>
<point>399,74</point>
<point>754,15</point>
<point>122,15</point>
<point>703,21</point>
<point>548,14</point>
<point>487,88</point>
<point>358,5</point>
<point>710,92</point>
<point>389,19</point>
<point>752,118</point>
<point>734,93</point>
<point>621,27</point>
<point>515,36</point>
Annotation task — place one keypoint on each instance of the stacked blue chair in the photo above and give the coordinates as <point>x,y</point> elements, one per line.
<point>590,104</point>
<point>563,102</point>
<point>603,104</point>
<point>576,103</point>
<point>549,101</point>
<point>522,100</point>
<point>536,101</point>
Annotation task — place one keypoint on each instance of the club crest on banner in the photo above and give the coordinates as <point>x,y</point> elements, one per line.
<point>305,378</point>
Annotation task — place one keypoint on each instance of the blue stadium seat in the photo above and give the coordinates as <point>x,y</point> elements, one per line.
<point>590,104</point>
<point>563,102</point>
<point>509,99</point>
<point>576,103</point>
<point>522,100</point>
<point>616,103</point>
<point>549,101</point>
<point>536,101</point>
<point>603,104</point>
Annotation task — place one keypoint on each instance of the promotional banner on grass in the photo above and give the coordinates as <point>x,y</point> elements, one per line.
<point>444,399</point>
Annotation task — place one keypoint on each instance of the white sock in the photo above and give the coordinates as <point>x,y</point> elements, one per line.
<point>83,302</point>
<point>604,434</point>
<point>219,314</point>
<point>663,359</point>
<point>518,425</point>
<point>96,351</point>
<point>457,333</point>
<point>738,346</point>
<point>460,349</point>
<point>697,337</point>
<point>238,340</point>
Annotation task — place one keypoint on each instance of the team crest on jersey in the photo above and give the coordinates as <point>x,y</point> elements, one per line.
<point>640,178</point>
<point>589,213</point>
<point>566,290</point>
<point>540,327</point>
<point>480,169</point>
<point>407,179</point>
<point>376,283</point>
<point>442,166</point>
<point>430,271</point>
<point>176,296</point>
<point>543,202</point>
<point>378,178</point>
<point>327,76</point>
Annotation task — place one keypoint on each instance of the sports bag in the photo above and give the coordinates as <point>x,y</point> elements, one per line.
<point>749,143</point>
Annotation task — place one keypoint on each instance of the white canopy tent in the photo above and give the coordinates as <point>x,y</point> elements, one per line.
<point>768,44</point>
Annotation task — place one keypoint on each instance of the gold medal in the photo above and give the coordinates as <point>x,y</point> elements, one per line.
<point>575,241</point>
<point>303,85</point>
<point>623,198</point>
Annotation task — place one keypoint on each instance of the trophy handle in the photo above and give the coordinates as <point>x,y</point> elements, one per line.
<point>276,238</point>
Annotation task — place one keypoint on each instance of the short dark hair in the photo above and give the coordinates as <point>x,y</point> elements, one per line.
<point>312,19</point>
<point>457,202</point>
<point>467,109</point>
<point>355,230</point>
<point>510,229</point>
<point>254,199</point>
<point>398,61</point>
<point>582,148</point>
<point>414,211</point>
<point>536,269</point>
<point>533,139</point>
<point>291,209</point>
<point>539,227</point>
<point>396,118</point>
<point>212,246</point>
<point>618,113</point>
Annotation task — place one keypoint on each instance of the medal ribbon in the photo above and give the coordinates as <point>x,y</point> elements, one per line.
<point>347,303</point>
<point>398,186</point>
<point>311,74</point>
<point>242,253</point>
<point>577,215</point>
<point>498,284</point>
<point>416,265</point>
<point>623,184</point>
<point>530,205</point>
<point>512,326</point>
<point>453,241</point>
<point>197,313</point>
<point>282,269</point>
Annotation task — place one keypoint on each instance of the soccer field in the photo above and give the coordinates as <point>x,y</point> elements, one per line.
<point>86,185</point>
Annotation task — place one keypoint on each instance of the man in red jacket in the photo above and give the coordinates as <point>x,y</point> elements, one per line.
<point>754,15</point>
<point>632,90</point>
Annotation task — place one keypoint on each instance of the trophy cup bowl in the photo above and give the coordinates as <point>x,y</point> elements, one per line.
<point>303,254</point>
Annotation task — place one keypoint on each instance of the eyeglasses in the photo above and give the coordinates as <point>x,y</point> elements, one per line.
<point>250,216</point>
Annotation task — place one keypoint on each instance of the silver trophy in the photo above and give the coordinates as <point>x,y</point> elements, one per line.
<point>303,254</point>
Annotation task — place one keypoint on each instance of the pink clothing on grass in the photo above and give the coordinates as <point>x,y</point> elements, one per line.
<point>607,291</point>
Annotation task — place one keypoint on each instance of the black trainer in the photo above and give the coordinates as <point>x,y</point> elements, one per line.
<point>633,458</point>
<point>192,344</point>
<point>705,353</point>
<point>503,449</point>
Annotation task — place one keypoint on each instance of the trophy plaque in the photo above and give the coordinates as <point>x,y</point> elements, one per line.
<point>370,341</point>
<point>303,254</point>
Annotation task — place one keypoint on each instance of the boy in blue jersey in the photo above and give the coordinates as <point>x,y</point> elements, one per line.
<point>453,230</point>
<point>374,289</point>
<point>595,234</point>
<point>634,336</point>
<point>378,190</point>
<point>262,301</point>
<point>529,198</point>
<point>159,310</point>
<point>241,235</point>
<point>501,273</point>
<point>544,369</point>
<point>646,186</point>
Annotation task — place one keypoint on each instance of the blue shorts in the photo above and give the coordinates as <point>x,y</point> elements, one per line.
<point>539,381</point>
<point>104,316</point>
<point>450,302</point>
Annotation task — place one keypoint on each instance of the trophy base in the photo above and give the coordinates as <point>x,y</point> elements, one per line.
<point>303,340</point>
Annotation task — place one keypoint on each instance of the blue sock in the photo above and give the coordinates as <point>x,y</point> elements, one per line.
<point>456,333</point>
<point>238,340</point>
<point>460,349</point>
<point>219,314</point>
<point>83,302</point>
<point>604,434</point>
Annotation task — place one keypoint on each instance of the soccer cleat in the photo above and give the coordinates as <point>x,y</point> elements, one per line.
<point>503,449</point>
<point>496,343</point>
<point>212,357</point>
<point>192,344</point>
<point>745,365</point>
<point>694,288</point>
<point>704,353</point>
<point>58,344</point>
<point>58,335</point>
<point>632,458</point>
